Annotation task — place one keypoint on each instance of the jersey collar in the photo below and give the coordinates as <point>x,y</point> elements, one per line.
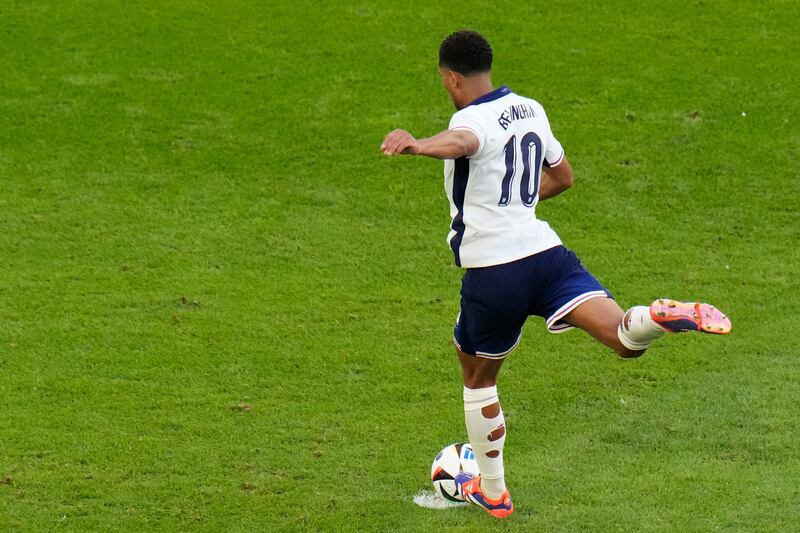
<point>494,95</point>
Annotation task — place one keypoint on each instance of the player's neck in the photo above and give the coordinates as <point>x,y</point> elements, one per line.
<point>475,87</point>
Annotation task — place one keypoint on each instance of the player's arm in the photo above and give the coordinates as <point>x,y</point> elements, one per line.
<point>449,144</point>
<point>556,179</point>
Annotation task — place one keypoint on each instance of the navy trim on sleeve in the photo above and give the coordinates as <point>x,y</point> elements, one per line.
<point>460,179</point>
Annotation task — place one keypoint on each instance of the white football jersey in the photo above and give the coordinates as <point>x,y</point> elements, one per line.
<point>493,193</point>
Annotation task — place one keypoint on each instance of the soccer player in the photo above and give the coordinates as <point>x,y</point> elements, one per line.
<point>500,159</point>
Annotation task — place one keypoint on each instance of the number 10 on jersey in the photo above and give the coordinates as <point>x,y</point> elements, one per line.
<point>529,150</point>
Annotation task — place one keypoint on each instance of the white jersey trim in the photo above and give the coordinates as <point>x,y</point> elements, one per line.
<point>474,132</point>
<point>558,162</point>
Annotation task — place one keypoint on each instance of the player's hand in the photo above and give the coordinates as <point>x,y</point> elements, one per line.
<point>400,142</point>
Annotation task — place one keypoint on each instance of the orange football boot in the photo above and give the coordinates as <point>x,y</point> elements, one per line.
<point>470,488</point>
<point>677,316</point>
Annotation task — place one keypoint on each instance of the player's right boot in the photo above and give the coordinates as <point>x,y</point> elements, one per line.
<point>689,316</point>
<point>469,486</point>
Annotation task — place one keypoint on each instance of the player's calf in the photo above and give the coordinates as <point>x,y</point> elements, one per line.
<point>601,318</point>
<point>627,353</point>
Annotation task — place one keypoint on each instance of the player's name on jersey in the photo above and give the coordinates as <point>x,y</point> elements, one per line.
<point>515,112</point>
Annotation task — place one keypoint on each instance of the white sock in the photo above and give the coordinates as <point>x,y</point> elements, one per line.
<point>637,331</point>
<point>480,430</point>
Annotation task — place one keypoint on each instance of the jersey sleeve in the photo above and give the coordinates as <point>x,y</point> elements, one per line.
<point>554,153</point>
<point>468,122</point>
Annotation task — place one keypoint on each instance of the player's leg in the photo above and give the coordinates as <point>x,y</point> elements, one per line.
<point>487,434</point>
<point>602,319</point>
<point>632,332</point>
<point>574,298</point>
<point>486,425</point>
<point>479,372</point>
<point>489,327</point>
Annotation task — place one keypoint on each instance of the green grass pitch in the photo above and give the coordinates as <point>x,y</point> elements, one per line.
<point>222,309</point>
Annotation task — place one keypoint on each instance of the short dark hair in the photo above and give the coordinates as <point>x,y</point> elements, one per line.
<point>466,52</point>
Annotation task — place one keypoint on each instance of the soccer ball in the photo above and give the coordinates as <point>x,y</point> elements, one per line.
<point>450,461</point>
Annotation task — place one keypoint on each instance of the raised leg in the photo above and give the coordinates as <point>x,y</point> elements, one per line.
<point>601,318</point>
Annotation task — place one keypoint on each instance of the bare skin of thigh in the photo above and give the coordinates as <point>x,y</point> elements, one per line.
<point>478,372</point>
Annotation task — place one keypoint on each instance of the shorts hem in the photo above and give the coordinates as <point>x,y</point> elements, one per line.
<point>552,320</point>
<point>486,355</point>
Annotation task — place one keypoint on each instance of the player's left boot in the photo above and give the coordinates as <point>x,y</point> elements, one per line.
<point>470,488</point>
<point>677,316</point>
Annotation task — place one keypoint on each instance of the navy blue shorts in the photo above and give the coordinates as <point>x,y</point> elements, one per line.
<point>496,300</point>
